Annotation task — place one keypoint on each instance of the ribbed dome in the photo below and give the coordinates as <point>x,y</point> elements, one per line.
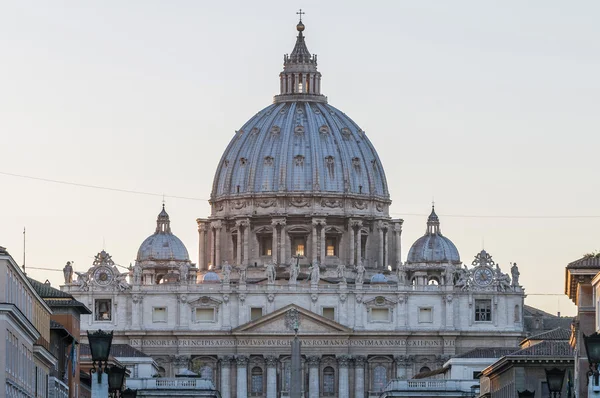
<point>163,245</point>
<point>300,144</point>
<point>433,247</point>
<point>300,147</point>
<point>211,276</point>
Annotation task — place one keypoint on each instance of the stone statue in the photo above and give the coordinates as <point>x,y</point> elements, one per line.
<point>401,274</point>
<point>121,281</point>
<point>82,281</point>
<point>242,271</point>
<point>137,274</point>
<point>226,272</point>
<point>271,273</point>
<point>514,271</point>
<point>504,282</point>
<point>360,273</point>
<point>315,274</point>
<point>463,278</point>
<point>184,269</point>
<point>68,273</point>
<point>341,272</point>
<point>294,271</point>
<point>448,274</point>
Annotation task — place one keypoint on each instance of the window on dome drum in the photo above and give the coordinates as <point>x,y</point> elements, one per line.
<point>159,314</point>
<point>103,309</point>
<point>234,245</point>
<point>328,381</point>
<point>266,243</point>
<point>363,245</point>
<point>331,246</point>
<point>329,313</point>
<point>299,87</point>
<point>483,310</point>
<point>256,385</point>
<point>205,314</point>
<point>379,378</point>
<point>425,315</point>
<point>255,313</point>
<point>298,245</point>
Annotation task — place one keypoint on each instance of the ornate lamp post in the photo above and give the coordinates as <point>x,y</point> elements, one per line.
<point>555,378</point>
<point>100,343</point>
<point>526,394</point>
<point>592,346</point>
<point>116,376</point>
<point>129,393</point>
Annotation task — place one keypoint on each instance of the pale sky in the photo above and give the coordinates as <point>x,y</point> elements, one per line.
<point>491,108</point>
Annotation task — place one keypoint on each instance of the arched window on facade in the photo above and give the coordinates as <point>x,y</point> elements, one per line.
<point>379,378</point>
<point>328,381</point>
<point>433,281</point>
<point>424,369</point>
<point>517,313</point>
<point>256,386</point>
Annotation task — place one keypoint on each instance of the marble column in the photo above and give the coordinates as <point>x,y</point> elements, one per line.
<point>313,376</point>
<point>137,311</point>
<point>218,247</point>
<point>401,365</point>
<point>359,244</point>
<point>352,257</point>
<point>246,226</point>
<point>380,257</point>
<point>242,376</point>
<point>283,239</point>
<point>274,247</point>
<point>212,246</point>
<point>201,245</point>
<point>386,255</point>
<point>323,252</point>
<point>226,376</point>
<point>271,362</point>
<point>398,232</point>
<point>238,242</point>
<point>314,243</point>
<point>359,376</point>
<point>343,362</point>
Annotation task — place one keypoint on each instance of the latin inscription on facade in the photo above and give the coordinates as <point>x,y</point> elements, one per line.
<point>286,342</point>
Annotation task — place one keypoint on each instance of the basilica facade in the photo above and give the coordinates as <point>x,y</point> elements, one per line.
<point>300,240</point>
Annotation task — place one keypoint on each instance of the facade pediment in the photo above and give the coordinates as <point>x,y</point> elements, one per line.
<point>276,323</point>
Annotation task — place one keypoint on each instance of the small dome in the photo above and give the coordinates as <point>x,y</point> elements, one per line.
<point>433,247</point>
<point>163,245</point>
<point>378,278</point>
<point>211,277</point>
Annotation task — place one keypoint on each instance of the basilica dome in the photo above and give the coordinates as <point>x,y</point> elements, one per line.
<point>433,247</point>
<point>300,144</point>
<point>163,245</point>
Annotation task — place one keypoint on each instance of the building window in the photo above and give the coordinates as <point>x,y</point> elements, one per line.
<point>255,313</point>
<point>159,314</point>
<point>424,369</point>
<point>329,313</point>
<point>363,245</point>
<point>328,381</point>
<point>287,375</point>
<point>483,310</point>
<point>380,315</point>
<point>299,245</point>
<point>425,315</point>
<point>379,378</point>
<point>103,309</point>
<point>205,314</point>
<point>518,314</point>
<point>476,374</point>
<point>266,243</point>
<point>256,383</point>
<point>331,247</point>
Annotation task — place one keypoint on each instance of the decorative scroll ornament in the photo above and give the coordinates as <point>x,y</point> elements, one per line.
<point>331,203</point>
<point>360,204</point>
<point>483,258</point>
<point>292,319</point>
<point>239,204</point>
<point>103,258</point>
<point>299,202</point>
<point>266,203</point>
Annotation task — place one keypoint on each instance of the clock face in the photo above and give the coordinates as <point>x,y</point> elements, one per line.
<point>103,276</point>
<point>483,276</point>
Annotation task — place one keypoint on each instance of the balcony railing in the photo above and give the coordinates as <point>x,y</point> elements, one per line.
<point>432,385</point>
<point>57,389</point>
<point>165,383</point>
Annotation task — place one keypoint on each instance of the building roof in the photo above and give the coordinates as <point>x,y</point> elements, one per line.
<point>488,352</point>
<point>547,348</point>
<point>554,334</point>
<point>45,290</point>
<point>587,262</point>
<point>116,350</point>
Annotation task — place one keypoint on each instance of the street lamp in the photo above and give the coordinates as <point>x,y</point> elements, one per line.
<point>100,343</point>
<point>555,378</point>
<point>129,393</point>
<point>526,394</point>
<point>116,376</point>
<point>592,346</point>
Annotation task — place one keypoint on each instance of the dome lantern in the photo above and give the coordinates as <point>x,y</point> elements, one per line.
<point>433,247</point>
<point>300,79</point>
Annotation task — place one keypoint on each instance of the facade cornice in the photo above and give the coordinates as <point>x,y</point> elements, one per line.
<point>11,311</point>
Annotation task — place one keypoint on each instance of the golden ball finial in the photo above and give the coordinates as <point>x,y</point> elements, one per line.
<point>300,26</point>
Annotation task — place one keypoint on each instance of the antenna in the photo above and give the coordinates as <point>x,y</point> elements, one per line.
<point>24,235</point>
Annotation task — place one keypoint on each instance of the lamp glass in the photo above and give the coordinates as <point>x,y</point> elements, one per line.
<point>554,378</point>
<point>592,346</point>
<point>129,393</point>
<point>116,376</point>
<point>100,343</point>
<point>526,394</point>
